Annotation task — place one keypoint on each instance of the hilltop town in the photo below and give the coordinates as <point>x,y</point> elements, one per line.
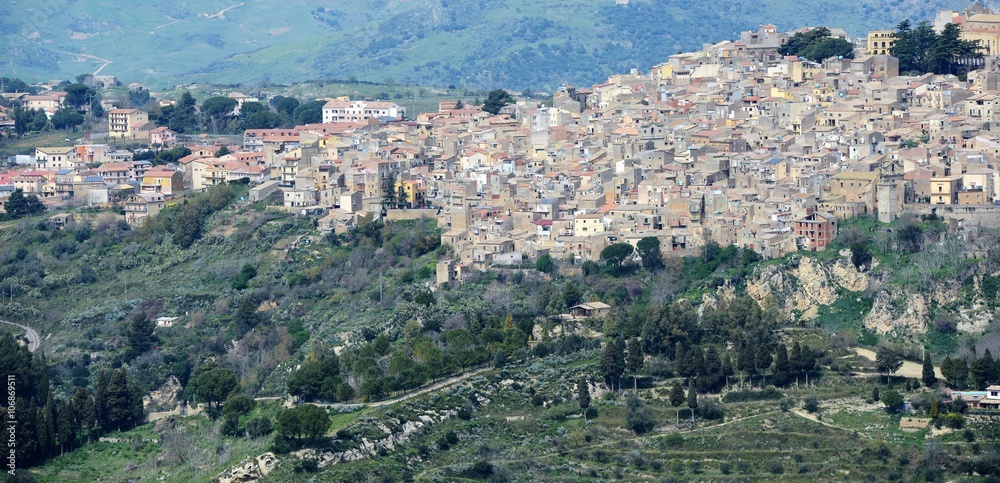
<point>735,144</point>
<point>236,283</point>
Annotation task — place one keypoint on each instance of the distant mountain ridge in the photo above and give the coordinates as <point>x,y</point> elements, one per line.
<point>475,43</point>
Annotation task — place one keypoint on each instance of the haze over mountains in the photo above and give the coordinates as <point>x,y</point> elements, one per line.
<point>475,43</point>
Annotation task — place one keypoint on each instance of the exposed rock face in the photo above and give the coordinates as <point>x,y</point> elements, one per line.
<point>800,284</point>
<point>847,276</point>
<point>885,318</point>
<point>163,397</point>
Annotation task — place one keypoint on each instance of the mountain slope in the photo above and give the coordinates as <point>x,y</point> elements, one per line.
<point>477,43</point>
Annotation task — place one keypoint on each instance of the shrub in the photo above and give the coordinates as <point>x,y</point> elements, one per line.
<point>725,468</point>
<point>743,396</point>
<point>308,465</point>
<point>953,420</point>
<point>775,467</point>
<point>810,404</point>
<point>711,409</point>
<point>638,417</point>
<point>259,427</point>
<point>481,470</point>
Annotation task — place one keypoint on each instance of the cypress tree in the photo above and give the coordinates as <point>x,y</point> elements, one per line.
<point>692,399</point>
<point>583,395</point>
<point>697,357</point>
<point>762,359</point>
<point>795,359</point>
<point>677,397</point>
<point>683,361</point>
<point>634,360</point>
<point>808,361</point>
<point>66,426</point>
<point>712,370</point>
<point>51,424</point>
<point>782,367</point>
<point>927,374</point>
<point>613,362</point>
<point>44,433</point>
<point>118,399</point>
<point>101,401</point>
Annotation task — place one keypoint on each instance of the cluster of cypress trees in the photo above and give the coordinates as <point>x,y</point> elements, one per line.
<point>47,425</point>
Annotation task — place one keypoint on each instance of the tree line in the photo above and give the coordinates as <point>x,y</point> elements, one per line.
<point>48,425</point>
<point>920,49</point>
<point>817,45</point>
<point>219,114</point>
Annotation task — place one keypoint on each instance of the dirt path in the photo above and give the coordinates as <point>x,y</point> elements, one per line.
<point>812,417</point>
<point>33,340</point>
<point>419,392</point>
<point>909,369</point>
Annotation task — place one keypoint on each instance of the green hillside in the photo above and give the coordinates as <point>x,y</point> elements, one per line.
<point>472,43</point>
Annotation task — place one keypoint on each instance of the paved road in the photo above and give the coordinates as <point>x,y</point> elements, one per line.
<point>33,340</point>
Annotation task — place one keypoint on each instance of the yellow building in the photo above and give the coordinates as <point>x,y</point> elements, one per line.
<point>985,29</point>
<point>584,225</point>
<point>944,190</point>
<point>412,191</point>
<point>128,123</point>
<point>881,42</point>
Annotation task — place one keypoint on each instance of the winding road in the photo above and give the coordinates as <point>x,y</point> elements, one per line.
<point>33,340</point>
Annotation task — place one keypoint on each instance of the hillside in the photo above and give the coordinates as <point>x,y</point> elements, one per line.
<point>472,43</point>
<point>483,378</point>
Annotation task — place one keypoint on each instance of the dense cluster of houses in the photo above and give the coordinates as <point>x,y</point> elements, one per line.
<point>734,143</point>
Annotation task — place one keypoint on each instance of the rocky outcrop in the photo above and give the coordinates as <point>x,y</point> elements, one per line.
<point>250,469</point>
<point>367,448</point>
<point>163,397</point>
<point>799,285</point>
<point>909,315</point>
<point>846,275</point>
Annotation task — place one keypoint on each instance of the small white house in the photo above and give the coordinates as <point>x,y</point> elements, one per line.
<point>166,321</point>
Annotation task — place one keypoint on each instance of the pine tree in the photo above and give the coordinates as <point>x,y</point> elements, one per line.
<point>927,375</point>
<point>634,361</point>
<point>583,395</point>
<point>677,398</point>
